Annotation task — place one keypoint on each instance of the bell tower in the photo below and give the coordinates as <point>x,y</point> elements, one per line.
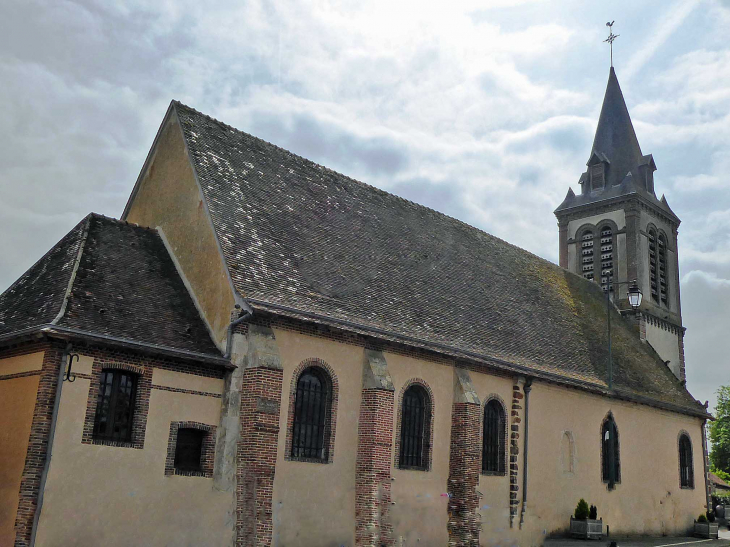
<point>615,230</point>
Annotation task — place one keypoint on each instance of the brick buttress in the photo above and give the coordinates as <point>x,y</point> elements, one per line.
<point>464,464</point>
<point>374,454</point>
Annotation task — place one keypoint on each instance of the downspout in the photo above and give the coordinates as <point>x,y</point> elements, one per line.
<point>527,389</point>
<point>49,448</point>
<point>233,324</point>
<point>708,501</point>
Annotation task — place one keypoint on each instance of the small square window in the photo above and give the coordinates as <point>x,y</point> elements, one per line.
<point>189,450</point>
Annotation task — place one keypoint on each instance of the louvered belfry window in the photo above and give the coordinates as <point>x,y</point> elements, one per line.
<point>414,433</point>
<point>605,447</point>
<point>606,258</point>
<point>686,471</point>
<point>115,406</point>
<point>653,265</point>
<point>493,439</point>
<point>587,254</point>
<point>662,259</point>
<point>310,438</point>
<point>597,176</point>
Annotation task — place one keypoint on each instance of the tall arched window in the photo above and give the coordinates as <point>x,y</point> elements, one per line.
<point>686,466</point>
<point>609,437</point>
<point>493,439</point>
<point>653,264</point>
<point>662,259</point>
<point>586,245</point>
<point>606,258</point>
<point>414,429</point>
<point>310,434</point>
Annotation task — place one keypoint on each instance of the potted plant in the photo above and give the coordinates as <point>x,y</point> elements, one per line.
<point>584,524</point>
<point>705,526</point>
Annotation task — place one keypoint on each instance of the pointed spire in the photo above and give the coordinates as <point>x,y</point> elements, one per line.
<point>615,138</point>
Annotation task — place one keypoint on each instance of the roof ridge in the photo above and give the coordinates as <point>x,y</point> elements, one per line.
<point>72,277</point>
<point>365,184</point>
<point>121,222</point>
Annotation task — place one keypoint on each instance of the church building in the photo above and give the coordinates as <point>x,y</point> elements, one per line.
<point>265,352</point>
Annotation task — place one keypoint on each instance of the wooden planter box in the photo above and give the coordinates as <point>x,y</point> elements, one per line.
<point>586,529</point>
<point>707,530</point>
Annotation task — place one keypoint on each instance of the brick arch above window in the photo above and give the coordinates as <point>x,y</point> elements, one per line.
<point>428,437</point>
<point>330,418</point>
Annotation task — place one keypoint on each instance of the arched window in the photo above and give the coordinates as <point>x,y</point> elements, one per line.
<point>609,438</point>
<point>586,245</point>
<point>662,259</point>
<point>493,439</point>
<point>414,429</point>
<point>686,466</point>
<point>312,404</point>
<point>606,258</point>
<point>115,405</point>
<point>567,452</point>
<point>653,264</point>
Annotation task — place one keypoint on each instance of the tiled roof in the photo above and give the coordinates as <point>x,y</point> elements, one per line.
<point>303,240</point>
<point>125,286</point>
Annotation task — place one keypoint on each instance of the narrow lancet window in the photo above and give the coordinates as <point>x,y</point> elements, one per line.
<point>686,467</point>
<point>493,441</point>
<point>414,433</point>
<point>610,452</point>
<point>310,435</point>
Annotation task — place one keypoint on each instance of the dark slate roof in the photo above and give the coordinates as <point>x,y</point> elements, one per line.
<point>302,240</point>
<point>616,144</point>
<point>125,286</point>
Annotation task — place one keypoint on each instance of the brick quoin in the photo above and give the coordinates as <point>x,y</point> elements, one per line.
<point>373,480</point>
<point>464,468</point>
<point>257,448</point>
<point>35,458</point>
<point>514,452</point>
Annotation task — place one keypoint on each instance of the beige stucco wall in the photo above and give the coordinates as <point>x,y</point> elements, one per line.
<point>648,500</point>
<point>103,495</point>
<point>169,197</point>
<point>17,401</point>
<point>314,503</point>
<point>666,344</point>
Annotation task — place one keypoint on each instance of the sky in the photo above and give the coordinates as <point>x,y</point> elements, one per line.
<point>483,110</point>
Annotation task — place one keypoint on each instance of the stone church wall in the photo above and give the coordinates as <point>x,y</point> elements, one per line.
<point>121,495</point>
<point>168,197</point>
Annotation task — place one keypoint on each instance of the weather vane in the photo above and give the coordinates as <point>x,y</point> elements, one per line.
<point>611,38</point>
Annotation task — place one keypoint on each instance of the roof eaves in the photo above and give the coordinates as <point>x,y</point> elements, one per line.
<point>66,333</point>
<point>457,353</point>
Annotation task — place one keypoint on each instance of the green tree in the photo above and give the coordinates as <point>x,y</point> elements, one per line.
<point>720,431</point>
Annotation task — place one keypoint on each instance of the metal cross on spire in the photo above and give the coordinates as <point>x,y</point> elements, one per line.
<point>611,38</point>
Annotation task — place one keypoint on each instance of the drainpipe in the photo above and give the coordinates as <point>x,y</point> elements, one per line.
<point>229,336</point>
<point>49,448</point>
<point>527,389</point>
<point>708,500</point>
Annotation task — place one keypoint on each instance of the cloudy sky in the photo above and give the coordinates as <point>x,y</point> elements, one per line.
<point>482,110</point>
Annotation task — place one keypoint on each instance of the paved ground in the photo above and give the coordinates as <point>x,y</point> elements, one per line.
<point>644,542</point>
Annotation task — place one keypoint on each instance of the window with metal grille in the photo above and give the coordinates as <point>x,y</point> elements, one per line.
<point>414,429</point>
<point>605,450</point>
<point>493,439</point>
<point>662,262</point>
<point>310,435</point>
<point>189,449</point>
<point>686,467</point>
<point>115,406</point>
<point>587,252</point>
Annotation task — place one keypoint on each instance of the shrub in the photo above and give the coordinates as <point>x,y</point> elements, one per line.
<point>702,518</point>
<point>593,513</point>
<point>581,510</point>
<point>710,516</point>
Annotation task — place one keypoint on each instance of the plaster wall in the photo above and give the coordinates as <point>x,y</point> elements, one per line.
<point>666,344</point>
<point>104,495</point>
<point>169,197</point>
<point>648,500</point>
<point>17,402</point>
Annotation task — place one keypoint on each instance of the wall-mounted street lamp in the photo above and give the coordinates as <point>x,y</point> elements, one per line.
<point>634,302</point>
